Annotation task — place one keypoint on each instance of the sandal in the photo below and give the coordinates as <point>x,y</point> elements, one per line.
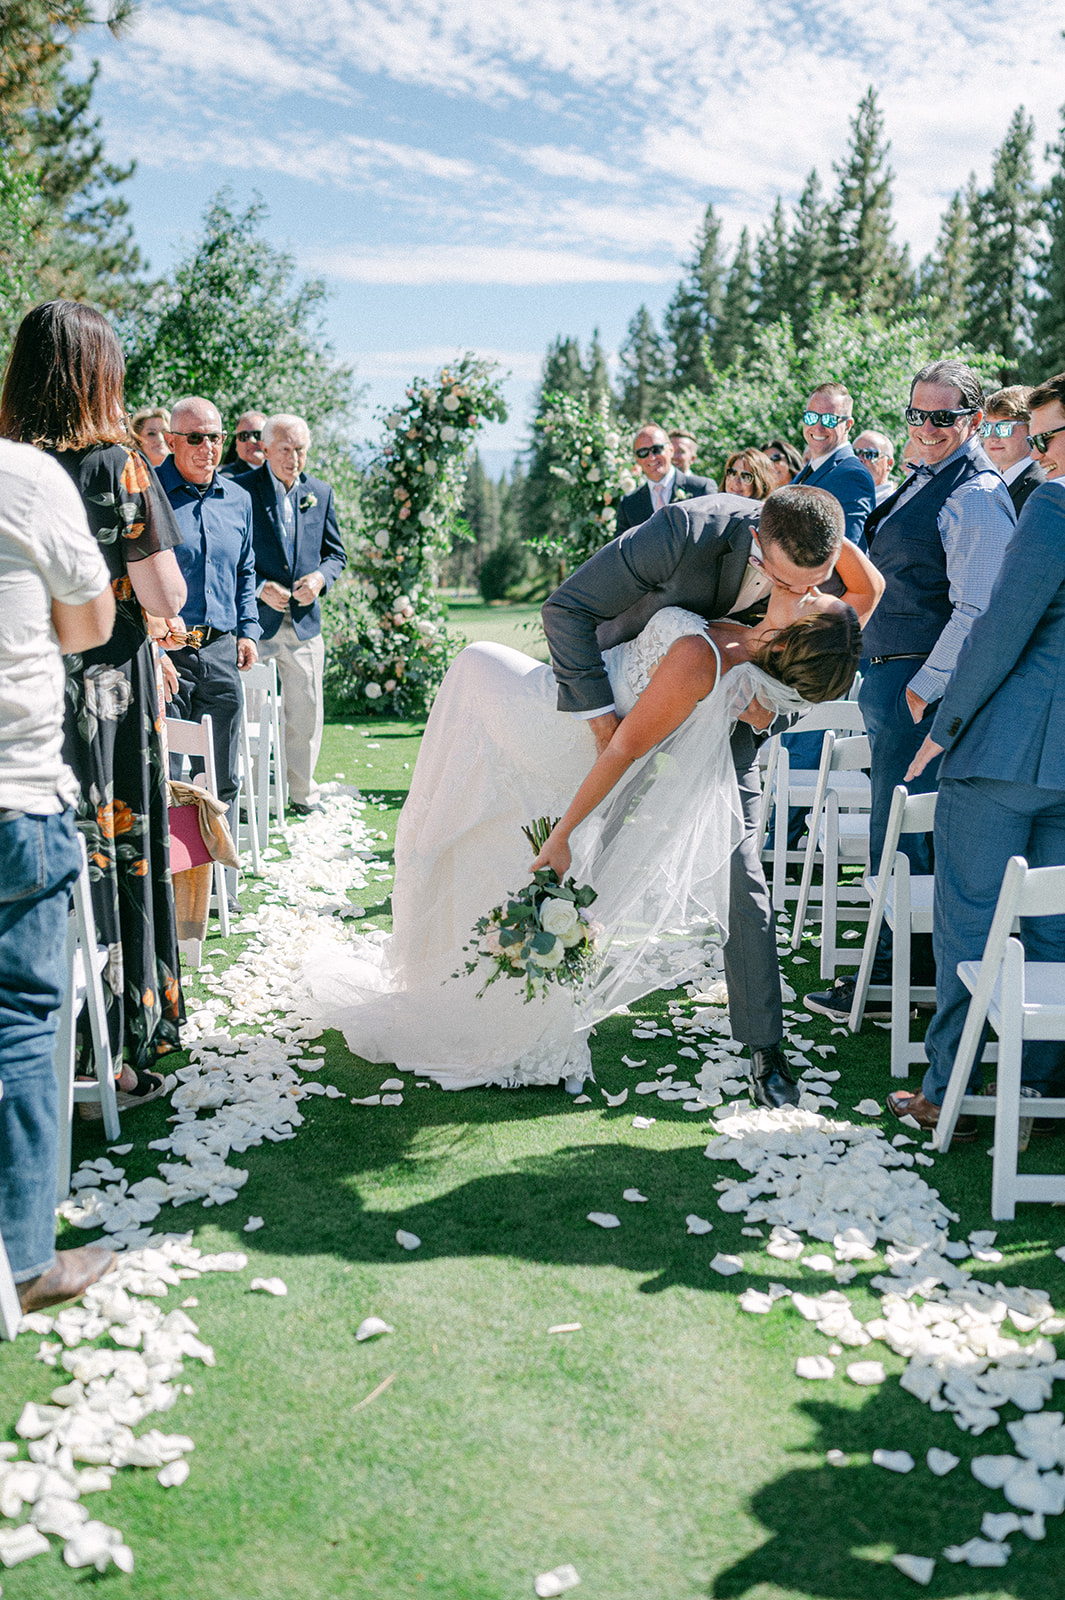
<point>150,1085</point>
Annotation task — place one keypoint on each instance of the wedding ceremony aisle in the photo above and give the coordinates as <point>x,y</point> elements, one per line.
<point>587,1332</point>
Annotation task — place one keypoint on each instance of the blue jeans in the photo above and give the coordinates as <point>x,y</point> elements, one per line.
<point>895,739</point>
<point>980,823</point>
<point>39,861</point>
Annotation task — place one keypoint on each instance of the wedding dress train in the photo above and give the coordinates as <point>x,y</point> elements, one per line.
<point>496,754</point>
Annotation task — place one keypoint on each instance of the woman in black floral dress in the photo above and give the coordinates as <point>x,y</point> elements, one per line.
<point>63,393</point>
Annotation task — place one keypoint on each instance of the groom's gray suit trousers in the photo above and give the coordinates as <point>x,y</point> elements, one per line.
<point>752,970</point>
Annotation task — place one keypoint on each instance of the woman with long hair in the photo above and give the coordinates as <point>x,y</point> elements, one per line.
<point>63,393</point>
<point>748,473</point>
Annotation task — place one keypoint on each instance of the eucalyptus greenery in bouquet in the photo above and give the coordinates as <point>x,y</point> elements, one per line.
<point>540,934</point>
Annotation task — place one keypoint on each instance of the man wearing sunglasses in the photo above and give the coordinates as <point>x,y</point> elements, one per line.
<point>832,464</point>
<point>1000,728</point>
<point>217,561</point>
<point>664,483</point>
<point>938,541</point>
<point>1004,434</point>
<point>877,454</point>
<point>247,451</point>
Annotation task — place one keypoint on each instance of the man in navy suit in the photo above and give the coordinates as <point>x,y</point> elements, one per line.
<point>832,463</point>
<point>663,484</point>
<point>1004,431</point>
<point>1001,726</point>
<point>299,554</point>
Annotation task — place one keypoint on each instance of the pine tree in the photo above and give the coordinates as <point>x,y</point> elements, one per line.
<point>1048,322</point>
<point>597,372</point>
<point>563,372</point>
<point>806,256</point>
<point>642,363</point>
<point>1005,219</point>
<point>82,245</point>
<point>863,264</point>
<point>733,331</point>
<point>944,275</point>
<point>693,313</point>
<point>772,253</point>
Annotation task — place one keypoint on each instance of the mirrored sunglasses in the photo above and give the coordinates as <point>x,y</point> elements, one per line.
<point>827,419</point>
<point>1001,430</point>
<point>867,454</point>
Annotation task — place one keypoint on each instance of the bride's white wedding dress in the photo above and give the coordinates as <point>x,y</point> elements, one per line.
<point>496,754</point>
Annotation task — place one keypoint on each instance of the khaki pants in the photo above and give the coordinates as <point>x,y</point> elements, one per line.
<point>300,664</point>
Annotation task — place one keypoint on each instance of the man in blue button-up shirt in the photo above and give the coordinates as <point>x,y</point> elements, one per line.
<point>218,564</point>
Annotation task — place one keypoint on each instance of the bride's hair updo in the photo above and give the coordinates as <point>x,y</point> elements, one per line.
<point>816,656</point>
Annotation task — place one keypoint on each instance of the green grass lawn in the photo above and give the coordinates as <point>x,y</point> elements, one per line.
<point>516,625</point>
<point>666,1449</point>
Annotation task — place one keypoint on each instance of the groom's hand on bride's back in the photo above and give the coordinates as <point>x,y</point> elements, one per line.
<point>604,728</point>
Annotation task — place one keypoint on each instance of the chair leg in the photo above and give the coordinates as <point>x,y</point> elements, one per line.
<point>10,1310</point>
<point>830,889</point>
<point>900,975</point>
<point>65,1048</point>
<point>1008,1087</point>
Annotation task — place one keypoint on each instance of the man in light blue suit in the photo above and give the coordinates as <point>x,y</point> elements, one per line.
<point>832,463</point>
<point>1001,725</point>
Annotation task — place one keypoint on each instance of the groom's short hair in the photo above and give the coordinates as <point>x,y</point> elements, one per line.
<point>806,524</point>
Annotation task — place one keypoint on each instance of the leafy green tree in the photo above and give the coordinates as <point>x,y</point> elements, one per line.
<point>737,308</point>
<point>20,206</point>
<point>563,373</point>
<point>695,309</point>
<point>807,247</point>
<point>1048,321</point>
<point>79,243</point>
<point>643,364</point>
<point>1005,218</point>
<point>944,276</point>
<point>863,265</point>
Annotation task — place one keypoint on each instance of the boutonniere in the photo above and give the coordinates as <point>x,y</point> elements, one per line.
<point>683,495</point>
<point>308,501</point>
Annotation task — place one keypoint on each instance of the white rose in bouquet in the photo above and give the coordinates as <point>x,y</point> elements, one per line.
<point>560,917</point>
<point>107,693</point>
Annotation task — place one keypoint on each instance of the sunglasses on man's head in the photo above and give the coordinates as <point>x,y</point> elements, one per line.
<point>650,450</point>
<point>199,438</point>
<point>939,419</point>
<point>1039,441</point>
<point>827,419</point>
<point>1001,430</point>
<point>244,434</point>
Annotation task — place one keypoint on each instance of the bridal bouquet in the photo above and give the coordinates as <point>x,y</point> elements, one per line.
<point>540,934</point>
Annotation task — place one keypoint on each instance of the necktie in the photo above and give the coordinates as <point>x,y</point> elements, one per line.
<point>289,518</point>
<point>805,473</point>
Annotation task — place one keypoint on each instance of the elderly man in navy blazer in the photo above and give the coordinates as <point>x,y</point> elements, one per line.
<point>831,461</point>
<point>299,554</point>
<point>664,482</point>
<point>1001,726</point>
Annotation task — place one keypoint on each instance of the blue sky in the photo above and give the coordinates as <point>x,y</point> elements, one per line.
<point>486,174</point>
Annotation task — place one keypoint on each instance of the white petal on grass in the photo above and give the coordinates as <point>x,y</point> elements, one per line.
<point>253,1225</point>
<point>582,1100</point>
<point>697,1224</point>
<point>370,1327</point>
<point>275,1286</point>
<point>556,1582</point>
<point>869,1108</point>
<point>941,1462</point>
<point>919,1568</point>
<point>894,1460</point>
<point>604,1219</point>
<point>173,1475</point>
<point>754,1301</point>
<point>836,1458</point>
<point>565,1327</point>
<point>634,1196</point>
<point>630,1063</point>
<point>998,1525</point>
<point>367,1100</point>
<point>392,1083</point>
<point>815,1368</point>
<point>409,1241</point>
<point>21,1544</point>
<point>615,1099</point>
<point>391,1099</point>
<point>727,1265</point>
<point>644,1122</point>
<point>978,1553</point>
<point>866,1373</point>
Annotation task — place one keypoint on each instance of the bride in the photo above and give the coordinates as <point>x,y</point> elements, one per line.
<point>650,824</point>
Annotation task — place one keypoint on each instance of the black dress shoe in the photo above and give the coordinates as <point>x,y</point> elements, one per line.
<point>772,1085</point>
<point>303,808</point>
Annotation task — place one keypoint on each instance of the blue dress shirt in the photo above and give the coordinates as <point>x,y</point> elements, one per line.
<point>216,559</point>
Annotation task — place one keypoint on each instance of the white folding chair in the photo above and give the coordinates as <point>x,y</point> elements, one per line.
<point>85,961</point>
<point>1021,1000</point>
<point>904,901</point>
<point>838,831</point>
<point>10,1310</point>
<point>785,787</point>
<point>195,739</point>
<point>261,754</point>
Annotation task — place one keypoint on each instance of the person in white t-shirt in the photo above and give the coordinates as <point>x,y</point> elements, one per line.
<point>55,600</point>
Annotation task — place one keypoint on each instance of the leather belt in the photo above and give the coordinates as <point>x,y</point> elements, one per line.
<point>907,655</point>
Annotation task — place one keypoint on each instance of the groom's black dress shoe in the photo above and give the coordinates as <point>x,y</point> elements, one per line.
<point>772,1085</point>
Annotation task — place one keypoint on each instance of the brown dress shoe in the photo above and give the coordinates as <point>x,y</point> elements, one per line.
<point>67,1278</point>
<point>906,1103</point>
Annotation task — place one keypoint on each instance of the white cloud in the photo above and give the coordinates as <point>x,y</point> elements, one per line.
<point>347,160</point>
<point>556,163</point>
<point>459,263</point>
<point>168,43</point>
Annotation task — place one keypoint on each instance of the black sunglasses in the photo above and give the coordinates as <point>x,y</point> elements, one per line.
<point>249,433</point>
<point>867,455</point>
<point>198,438</point>
<point>1039,441</point>
<point>651,450</point>
<point>939,419</point>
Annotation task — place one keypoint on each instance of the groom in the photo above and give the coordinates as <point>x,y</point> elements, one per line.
<point>710,556</point>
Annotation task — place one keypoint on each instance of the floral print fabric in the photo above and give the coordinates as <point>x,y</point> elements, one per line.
<point>113,742</point>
